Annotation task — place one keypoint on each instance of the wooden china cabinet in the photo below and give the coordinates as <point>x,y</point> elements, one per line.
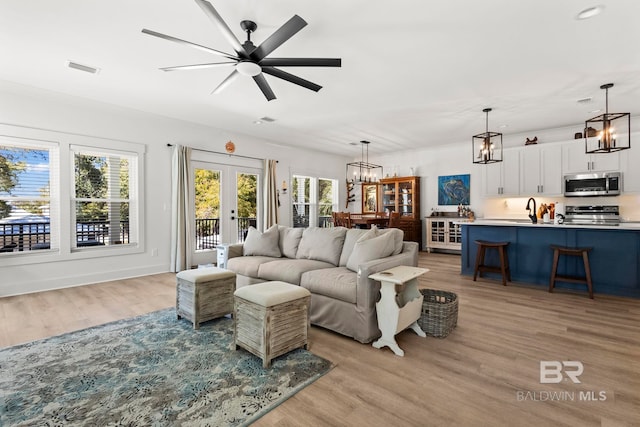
<point>402,194</point>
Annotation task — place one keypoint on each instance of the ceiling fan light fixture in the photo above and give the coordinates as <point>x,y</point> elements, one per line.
<point>248,68</point>
<point>608,132</point>
<point>487,147</point>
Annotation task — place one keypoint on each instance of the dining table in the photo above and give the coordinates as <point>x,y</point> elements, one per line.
<point>366,221</point>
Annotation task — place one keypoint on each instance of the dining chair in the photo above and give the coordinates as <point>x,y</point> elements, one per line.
<point>394,220</point>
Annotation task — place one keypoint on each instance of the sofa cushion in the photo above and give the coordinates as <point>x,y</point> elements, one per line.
<point>322,244</point>
<point>398,237</point>
<point>262,244</point>
<point>380,246</point>
<point>338,283</point>
<point>289,270</point>
<point>289,240</point>
<point>353,234</point>
<point>247,265</point>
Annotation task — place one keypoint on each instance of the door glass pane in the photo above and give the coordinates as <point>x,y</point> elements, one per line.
<point>207,208</point>
<point>247,190</point>
<point>300,191</point>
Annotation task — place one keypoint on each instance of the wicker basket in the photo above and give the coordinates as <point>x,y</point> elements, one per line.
<point>439,312</point>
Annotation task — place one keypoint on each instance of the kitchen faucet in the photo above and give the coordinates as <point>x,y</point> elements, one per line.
<point>534,217</point>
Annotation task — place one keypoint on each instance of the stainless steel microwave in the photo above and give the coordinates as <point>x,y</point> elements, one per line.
<point>593,184</point>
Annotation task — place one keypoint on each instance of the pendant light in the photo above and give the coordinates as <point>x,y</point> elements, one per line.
<point>487,146</point>
<point>602,135</point>
<point>363,171</point>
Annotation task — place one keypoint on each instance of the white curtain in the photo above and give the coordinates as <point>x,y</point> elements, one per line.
<point>270,194</point>
<point>182,236</point>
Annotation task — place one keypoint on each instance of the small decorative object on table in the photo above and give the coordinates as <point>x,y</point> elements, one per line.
<point>439,312</point>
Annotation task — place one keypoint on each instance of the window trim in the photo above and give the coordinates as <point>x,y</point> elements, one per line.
<point>63,224</point>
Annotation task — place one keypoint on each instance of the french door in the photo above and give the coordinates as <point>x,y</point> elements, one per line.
<point>227,201</point>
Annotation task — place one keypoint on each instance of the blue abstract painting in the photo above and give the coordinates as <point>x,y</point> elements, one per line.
<point>453,190</point>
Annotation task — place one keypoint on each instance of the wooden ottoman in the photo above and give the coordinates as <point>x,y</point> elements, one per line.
<point>205,293</point>
<point>271,319</point>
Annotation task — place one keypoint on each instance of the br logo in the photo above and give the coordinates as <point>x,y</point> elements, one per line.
<point>551,371</point>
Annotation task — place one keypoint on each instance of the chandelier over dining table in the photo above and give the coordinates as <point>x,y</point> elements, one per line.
<point>363,171</point>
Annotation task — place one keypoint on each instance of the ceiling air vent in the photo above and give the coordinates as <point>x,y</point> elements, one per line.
<point>85,68</point>
<point>267,119</point>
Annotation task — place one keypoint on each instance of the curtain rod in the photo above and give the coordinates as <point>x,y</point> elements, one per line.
<point>220,152</point>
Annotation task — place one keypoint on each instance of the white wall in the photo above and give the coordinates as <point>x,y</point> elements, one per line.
<point>23,107</point>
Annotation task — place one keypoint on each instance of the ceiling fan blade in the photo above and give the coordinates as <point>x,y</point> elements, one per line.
<point>186,43</point>
<point>214,16</point>
<point>196,66</point>
<point>281,35</point>
<point>291,78</point>
<point>301,62</point>
<point>226,82</point>
<point>264,87</point>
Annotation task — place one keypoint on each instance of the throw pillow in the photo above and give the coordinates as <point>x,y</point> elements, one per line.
<point>322,244</point>
<point>289,240</point>
<point>262,244</point>
<point>367,250</point>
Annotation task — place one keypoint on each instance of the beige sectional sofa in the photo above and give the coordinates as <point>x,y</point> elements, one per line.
<point>332,263</point>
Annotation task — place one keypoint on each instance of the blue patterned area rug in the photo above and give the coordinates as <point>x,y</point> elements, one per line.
<point>151,370</point>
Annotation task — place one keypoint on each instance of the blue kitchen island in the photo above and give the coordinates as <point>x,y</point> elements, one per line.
<point>614,260</point>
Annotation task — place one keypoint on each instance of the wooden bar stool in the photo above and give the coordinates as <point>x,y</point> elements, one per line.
<point>503,269</point>
<point>584,253</point>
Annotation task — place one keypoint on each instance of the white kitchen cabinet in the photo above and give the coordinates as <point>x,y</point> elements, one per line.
<point>575,160</point>
<point>541,170</point>
<point>503,178</point>
<point>630,167</point>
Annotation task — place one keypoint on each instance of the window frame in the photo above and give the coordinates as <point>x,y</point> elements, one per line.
<point>62,224</point>
<point>314,197</point>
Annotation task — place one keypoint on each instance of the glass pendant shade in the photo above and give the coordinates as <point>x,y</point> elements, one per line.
<point>363,171</point>
<point>487,146</point>
<point>608,132</point>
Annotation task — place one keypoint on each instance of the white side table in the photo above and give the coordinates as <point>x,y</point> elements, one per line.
<point>398,311</point>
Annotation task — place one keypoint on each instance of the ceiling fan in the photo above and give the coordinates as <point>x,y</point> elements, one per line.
<point>250,60</point>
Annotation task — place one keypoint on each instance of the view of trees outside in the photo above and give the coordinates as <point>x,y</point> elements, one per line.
<point>207,205</point>
<point>247,195</point>
<point>93,180</point>
<point>325,197</point>
<point>24,179</point>
<point>207,194</point>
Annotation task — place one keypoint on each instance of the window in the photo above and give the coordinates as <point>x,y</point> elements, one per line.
<point>28,195</point>
<point>327,200</point>
<point>300,192</point>
<point>313,201</point>
<point>103,202</point>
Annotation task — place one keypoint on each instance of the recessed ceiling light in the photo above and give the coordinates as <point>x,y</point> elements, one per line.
<point>503,126</point>
<point>590,12</point>
<point>257,122</point>
<point>595,111</point>
<point>85,68</point>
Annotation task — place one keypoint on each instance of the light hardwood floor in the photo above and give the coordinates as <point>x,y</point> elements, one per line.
<point>485,373</point>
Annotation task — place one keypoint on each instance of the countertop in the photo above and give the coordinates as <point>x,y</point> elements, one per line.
<point>528,223</point>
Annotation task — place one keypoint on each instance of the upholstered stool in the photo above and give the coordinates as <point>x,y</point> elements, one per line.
<point>503,268</point>
<point>271,319</point>
<point>205,293</point>
<point>581,252</point>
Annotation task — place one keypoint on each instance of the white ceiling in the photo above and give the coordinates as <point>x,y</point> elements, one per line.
<point>414,73</point>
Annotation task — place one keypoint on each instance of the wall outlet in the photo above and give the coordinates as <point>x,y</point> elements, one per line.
<point>154,252</point>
